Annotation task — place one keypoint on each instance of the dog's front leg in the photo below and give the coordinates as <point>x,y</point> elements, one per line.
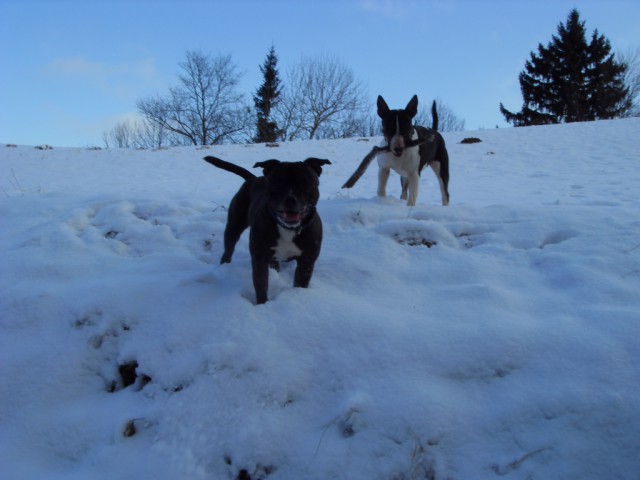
<point>404,183</point>
<point>260,267</point>
<point>304,271</point>
<point>383,178</point>
<point>414,186</point>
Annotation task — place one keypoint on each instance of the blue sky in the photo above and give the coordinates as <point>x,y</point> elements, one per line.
<point>72,69</point>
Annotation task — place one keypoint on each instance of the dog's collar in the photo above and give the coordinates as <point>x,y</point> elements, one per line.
<point>298,228</point>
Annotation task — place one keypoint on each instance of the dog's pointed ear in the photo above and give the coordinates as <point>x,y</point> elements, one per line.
<point>412,106</point>
<point>383,108</point>
<point>267,166</point>
<point>316,164</point>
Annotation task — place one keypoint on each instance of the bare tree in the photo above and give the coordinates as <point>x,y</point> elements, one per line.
<point>367,125</point>
<point>632,79</point>
<point>447,120</point>
<point>320,99</point>
<point>354,124</point>
<point>205,108</point>
<point>141,134</point>
<point>120,136</point>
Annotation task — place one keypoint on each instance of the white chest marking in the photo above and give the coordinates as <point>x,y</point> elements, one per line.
<point>285,249</point>
<point>405,165</point>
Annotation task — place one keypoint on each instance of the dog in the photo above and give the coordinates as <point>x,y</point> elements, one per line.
<point>280,209</point>
<point>407,160</point>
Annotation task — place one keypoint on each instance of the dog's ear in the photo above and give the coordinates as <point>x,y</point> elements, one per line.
<point>412,106</point>
<point>267,166</point>
<point>383,108</point>
<point>316,164</point>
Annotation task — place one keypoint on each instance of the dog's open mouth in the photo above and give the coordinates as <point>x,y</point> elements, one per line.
<point>397,152</point>
<point>291,218</point>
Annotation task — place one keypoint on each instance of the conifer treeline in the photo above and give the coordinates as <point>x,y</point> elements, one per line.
<point>571,80</point>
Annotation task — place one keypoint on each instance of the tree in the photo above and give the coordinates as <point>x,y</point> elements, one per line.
<point>571,80</point>
<point>320,99</point>
<point>447,120</point>
<point>205,108</point>
<point>120,136</point>
<point>153,136</point>
<point>367,124</point>
<point>141,134</point>
<point>632,79</point>
<point>266,99</point>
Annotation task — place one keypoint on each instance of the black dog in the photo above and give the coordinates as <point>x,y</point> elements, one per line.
<point>280,208</point>
<point>400,155</point>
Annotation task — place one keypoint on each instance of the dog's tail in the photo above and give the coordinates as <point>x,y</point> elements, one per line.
<point>229,167</point>
<point>434,115</point>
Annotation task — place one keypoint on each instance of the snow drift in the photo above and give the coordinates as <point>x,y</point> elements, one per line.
<point>496,337</point>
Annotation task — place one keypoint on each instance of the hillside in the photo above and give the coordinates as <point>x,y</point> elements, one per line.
<point>495,337</point>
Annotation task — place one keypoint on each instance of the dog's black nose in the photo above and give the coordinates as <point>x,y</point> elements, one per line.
<point>290,202</point>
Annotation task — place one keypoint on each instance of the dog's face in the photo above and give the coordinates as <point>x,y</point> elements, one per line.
<point>397,125</point>
<point>291,189</point>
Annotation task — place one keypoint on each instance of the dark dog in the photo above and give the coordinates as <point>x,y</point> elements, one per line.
<point>280,208</point>
<point>407,160</point>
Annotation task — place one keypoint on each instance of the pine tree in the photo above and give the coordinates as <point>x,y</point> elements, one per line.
<point>266,98</point>
<point>571,80</point>
<point>609,94</point>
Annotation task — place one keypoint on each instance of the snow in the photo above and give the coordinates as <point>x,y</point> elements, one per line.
<point>495,337</point>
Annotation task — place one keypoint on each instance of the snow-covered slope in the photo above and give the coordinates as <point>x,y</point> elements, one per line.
<point>496,337</point>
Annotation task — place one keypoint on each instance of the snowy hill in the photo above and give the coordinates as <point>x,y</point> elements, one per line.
<point>496,337</point>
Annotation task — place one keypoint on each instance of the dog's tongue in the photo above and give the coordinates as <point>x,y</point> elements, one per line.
<point>291,217</point>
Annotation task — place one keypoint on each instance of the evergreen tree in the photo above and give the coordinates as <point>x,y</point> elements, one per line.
<point>266,98</point>
<point>609,96</point>
<point>571,80</point>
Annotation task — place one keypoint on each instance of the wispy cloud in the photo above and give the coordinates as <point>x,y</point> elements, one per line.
<point>115,79</point>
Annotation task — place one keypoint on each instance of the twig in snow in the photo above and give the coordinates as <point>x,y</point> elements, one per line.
<point>507,469</point>
<point>629,250</point>
<point>17,182</point>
